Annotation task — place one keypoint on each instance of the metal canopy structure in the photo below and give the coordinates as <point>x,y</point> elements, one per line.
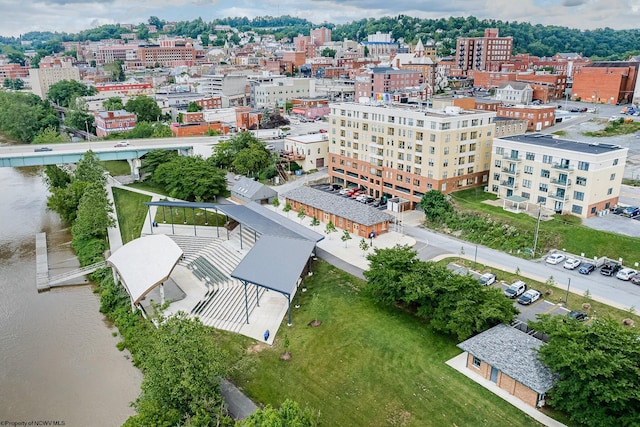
<point>516,200</point>
<point>274,263</point>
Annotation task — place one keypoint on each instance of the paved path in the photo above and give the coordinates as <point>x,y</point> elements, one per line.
<point>239,405</point>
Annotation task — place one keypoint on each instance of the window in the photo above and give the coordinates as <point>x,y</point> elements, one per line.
<point>547,159</point>
<point>576,209</point>
<point>583,166</point>
<point>578,195</point>
<point>530,156</point>
<point>476,362</point>
<point>609,191</point>
<point>528,170</point>
<point>544,173</point>
<point>542,199</point>
<point>615,162</point>
<point>612,177</point>
<point>526,195</point>
<point>500,151</point>
<point>526,183</point>
<point>544,188</point>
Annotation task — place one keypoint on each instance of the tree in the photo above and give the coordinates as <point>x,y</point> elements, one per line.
<point>145,108</point>
<point>79,120</point>
<point>330,228</point>
<point>287,208</point>
<point>251,160</point>
<point>275,203</point>
<point>314,222</point>
<point>113,104</point>
<point>56,177</point>
<point>114,69</point>
<point>364,246</point>
<point>90,170</point>
<point>190,178</point>
<point>23,116</point>
<point>316,308</point>
<point>93,216</point>
<point>301,214</point>
<point>155,158</point>
<point>65,92</point>
<point>345,237</point>
<point>193,107</point>
<point>435,206</point>
<point>17,84</point>
<point>387,266</point>
<point>65,200</point>
<point>49,135</point>
<point>328,52</point>
<point>597,369</point>
<point>289,414</point>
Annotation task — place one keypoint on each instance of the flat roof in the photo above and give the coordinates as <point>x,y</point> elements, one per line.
<point>545,140</point>
<point>275,263</point>
<point>309,138</point>
<point>513,352</point>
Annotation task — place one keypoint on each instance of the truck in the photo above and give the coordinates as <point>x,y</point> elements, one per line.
<point>267,133</point>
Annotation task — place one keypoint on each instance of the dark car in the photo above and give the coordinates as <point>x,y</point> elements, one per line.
<point>610,268</point>
<point>630,211</point>
<point>42,149</point>
<point>575,110</point>
<point>587,268</point>
<point>635,279</point>
<point>617,210</point>
<point>578,315</point>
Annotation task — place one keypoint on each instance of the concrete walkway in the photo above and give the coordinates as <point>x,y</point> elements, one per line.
<point>459,364</point>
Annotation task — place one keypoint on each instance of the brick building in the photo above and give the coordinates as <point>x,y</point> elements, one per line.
<point>538,116</point>
<point>606,82</point>
<point>381,80</point>
<point>486,53</point>
<point>198,129</point>
<point>404,151</point>
<point>509,358</point>
<point>108,122</point>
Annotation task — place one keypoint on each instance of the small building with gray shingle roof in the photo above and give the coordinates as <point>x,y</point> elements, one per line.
<point>247,190</point>
<point>509,358</point>
<point>345,213</point>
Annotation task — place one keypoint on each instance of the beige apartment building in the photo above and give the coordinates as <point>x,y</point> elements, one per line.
<point>405,151</point>
<point>562,176</point>
<point>311,149</point>
<point>281,90</point>
<point>42,78</point>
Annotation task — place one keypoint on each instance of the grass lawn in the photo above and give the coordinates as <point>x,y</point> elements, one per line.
<point>562,232</point>
<point>131,212</point>
<point>117,167</point>
<point>365,365</point>
<point>618,127</point>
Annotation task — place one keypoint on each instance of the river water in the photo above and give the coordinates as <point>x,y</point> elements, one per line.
<point>58,357</point>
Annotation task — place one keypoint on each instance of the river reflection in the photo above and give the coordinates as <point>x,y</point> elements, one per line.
<point>58,359</point>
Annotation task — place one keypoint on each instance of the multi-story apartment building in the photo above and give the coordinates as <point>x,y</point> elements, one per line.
<point>43,78</point>
<point>405,151</point>
<point>538,116</point>
<point>482,53</point>
<point>164,56</point>
<point>278,92</point>
<point>381,80</point>
<point>311,150</point>
<point>108,122</point>
<point>563,176</point>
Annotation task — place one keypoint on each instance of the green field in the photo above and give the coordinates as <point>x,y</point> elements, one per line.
<point>365,365</point>
<point>131,212</point>
<point>562,232</point>
<point>117,167</point>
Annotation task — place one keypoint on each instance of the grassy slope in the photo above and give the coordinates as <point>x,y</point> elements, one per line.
<point>567,231</point>
<point>131,212</point>
<point>117,167</point>
<point>368,365</point>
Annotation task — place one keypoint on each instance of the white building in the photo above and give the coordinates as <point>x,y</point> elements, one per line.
<point>314,147</point>
<point>562,176</point>
<point>515,93</point>
<point>279,91</point>
<point>43,78</point>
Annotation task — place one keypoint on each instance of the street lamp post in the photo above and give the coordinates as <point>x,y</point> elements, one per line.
<point>475,258</point>
<point>567,297</point>
<point>535,239</point>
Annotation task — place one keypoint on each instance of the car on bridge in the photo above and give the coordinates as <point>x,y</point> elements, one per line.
<point>39,149</point>
<point>122,144</point>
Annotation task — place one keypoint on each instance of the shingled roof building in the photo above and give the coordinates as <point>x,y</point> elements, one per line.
<point>355,217</point>
<point>247,190</point>
<point>509,358</point>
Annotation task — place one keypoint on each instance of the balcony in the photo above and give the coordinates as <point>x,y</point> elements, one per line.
<point>512,172</point>
<point>509,184</point>
<point>561,182</point>
<point>559,196</point>
<point>511,159</point>
<point>559,166</point>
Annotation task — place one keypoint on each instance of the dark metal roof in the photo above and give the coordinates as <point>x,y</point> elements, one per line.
<point>254,216</point>
<point>562,144</point>
<point>514,353</point>
<point>275,263</point>
<point>252,190</point>
<point>349,209</point>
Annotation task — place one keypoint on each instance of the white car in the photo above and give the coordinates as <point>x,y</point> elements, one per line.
<point>626,274</point>
<point>571,263</point>
<point>529,297</point>
<point>487,279</point>
<point>555,259</point>
<point>122,144</point>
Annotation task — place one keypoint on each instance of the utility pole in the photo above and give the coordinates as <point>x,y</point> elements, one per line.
<point>535,239</point>
<point>566,300</point>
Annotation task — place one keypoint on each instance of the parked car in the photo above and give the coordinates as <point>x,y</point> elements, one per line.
<point>571,263</point>
<point>578,315</point>
<point>529,297</point>
<point>587,268</point>
<point>487,279</point>
<point>635,279</point>
<point>122,144</point>
<point>618,210</point>
<point>554,259</point>
<point>42,149</point>
<point>366,199</point>
<point>610,268</point>
<point>516,289</point>
<point>630,211</point>
<point>626,273</point>
<point>344,191</point>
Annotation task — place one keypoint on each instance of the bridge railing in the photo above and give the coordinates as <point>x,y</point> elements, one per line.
<point>76,273</point>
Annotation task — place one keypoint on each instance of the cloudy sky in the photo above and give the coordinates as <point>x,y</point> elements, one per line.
<point>20,16</point>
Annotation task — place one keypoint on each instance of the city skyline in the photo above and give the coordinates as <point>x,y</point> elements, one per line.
<point>72,16</point>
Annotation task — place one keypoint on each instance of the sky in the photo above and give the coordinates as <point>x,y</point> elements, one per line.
<point>21,16</point>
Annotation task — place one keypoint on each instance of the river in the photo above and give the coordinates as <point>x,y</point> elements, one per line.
<point>58,355</point>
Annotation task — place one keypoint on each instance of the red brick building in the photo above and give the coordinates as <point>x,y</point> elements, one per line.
<point>385,80</point>
<point>108,122</point>
<point>210,103</point>
<point>13,71</point>
<point>486,53</point>
<point>606,82</point>
<point>247,118</point>
<point>538,117</point>
<point>198,129</point>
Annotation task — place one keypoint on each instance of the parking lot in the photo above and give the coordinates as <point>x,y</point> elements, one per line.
<point>335,190</point>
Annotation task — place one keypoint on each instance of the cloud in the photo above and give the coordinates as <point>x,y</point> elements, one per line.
<point>571,3</point>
